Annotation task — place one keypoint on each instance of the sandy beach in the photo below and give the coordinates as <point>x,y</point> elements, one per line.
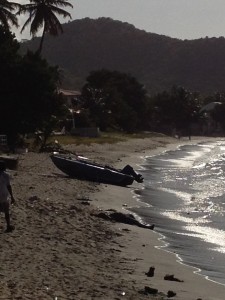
<point>61,250</point>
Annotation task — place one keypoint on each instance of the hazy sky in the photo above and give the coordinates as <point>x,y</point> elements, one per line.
<point>184,19</point>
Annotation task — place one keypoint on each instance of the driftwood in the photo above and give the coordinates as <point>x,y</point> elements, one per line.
<point>122,218</point>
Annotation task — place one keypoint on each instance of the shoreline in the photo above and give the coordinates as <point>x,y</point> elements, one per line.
<point>195,285</point>
<point>59,249</point>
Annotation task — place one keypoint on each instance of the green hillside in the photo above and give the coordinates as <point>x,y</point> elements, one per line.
<point>155,60</point>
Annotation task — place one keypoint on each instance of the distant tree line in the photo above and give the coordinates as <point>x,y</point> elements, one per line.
<point>117,101</point>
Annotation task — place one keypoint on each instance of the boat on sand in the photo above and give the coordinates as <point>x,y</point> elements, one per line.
<point>77,167</point>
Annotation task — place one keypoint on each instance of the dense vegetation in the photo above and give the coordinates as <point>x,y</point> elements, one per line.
<point>28,89</point>
<point>157,61</point>
<point>29,85</point>
<point>112,100</point>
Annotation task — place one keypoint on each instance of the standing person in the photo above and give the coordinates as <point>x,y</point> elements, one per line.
<point>5,191</point>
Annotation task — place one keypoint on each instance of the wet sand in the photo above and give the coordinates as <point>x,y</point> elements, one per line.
<point>60,250</point>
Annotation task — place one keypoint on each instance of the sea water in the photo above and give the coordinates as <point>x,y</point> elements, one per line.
<point>185,193</point>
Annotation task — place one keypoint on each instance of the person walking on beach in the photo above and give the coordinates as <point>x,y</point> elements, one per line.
<point>5,191</point>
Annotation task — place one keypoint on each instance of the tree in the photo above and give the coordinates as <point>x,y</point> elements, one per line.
<point>8,49</point>
<point>115,100</point>
<point>28,89</point>
<point>37,99</point>
<point>7,16</point>
<point>176,109</point>
<point>9,59</point>
<point>42,13</point>
<point>218,116</point>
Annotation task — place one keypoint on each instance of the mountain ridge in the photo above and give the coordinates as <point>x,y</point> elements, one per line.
<point>157,61</point>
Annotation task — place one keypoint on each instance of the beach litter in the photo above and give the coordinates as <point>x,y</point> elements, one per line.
<point>172,278</point>
<point>150,272</point>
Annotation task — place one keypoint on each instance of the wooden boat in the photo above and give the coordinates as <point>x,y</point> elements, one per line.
<point>85,169</point>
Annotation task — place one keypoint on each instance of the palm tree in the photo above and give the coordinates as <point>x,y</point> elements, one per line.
<point>42,13</point>
<point>6,14</point>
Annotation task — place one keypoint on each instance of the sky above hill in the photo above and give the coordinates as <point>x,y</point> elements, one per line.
<point>183,19</point>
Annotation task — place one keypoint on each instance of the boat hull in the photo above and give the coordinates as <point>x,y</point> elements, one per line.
<point>81,169</point>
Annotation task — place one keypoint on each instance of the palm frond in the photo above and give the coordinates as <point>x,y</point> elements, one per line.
<point>3,20</point>
<point>61,12</point>
<point>37,23</point>
<point>53,26</point>
<point>11,18</point>
<point>29,20</point>
<point>26,8</point>
<point>61,3</point>
<point>42,13</point>
<point>6,13</point>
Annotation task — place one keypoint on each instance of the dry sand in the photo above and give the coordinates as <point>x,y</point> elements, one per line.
<point>59,250</point>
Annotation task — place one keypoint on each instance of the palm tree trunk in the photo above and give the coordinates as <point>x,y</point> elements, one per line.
<point>41,42</point>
